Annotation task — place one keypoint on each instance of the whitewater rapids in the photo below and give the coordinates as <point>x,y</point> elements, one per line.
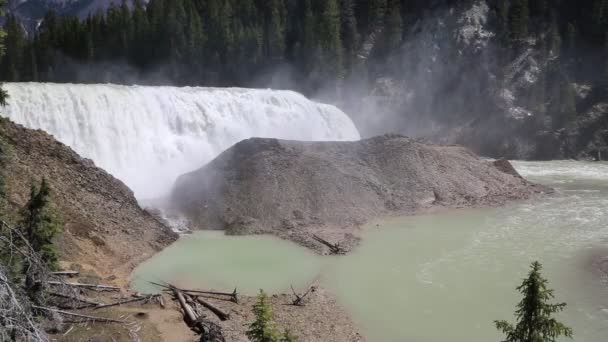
<point>148,136</point>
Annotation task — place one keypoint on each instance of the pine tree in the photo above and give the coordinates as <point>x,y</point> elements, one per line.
<point>329,40</point>
<point>535,322</point>
<point>12,62</point>
<point>519,14</point>
<point>263,329</point>
<point>394,26</point>
<point>41,224</point>
<point>3,93</point>
<point>348,31</point>
<point>567,110</point>
<point>274,29</point>
<point>605,66</point>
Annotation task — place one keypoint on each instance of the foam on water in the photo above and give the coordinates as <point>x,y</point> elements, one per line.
<point>147,136</point>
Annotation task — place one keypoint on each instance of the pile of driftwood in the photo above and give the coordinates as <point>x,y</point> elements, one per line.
<point>192,302</point>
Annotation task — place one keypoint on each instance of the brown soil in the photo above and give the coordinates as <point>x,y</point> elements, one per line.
<point>322,319</point>
<point>105,230</point>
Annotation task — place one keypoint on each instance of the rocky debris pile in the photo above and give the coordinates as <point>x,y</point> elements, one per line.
<point>294,189</point>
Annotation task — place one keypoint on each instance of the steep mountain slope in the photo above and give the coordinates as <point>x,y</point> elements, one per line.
<point>462,76</point>
<point>105,229</point>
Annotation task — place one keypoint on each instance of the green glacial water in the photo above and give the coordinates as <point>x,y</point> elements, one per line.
<point>212,260</point>
<point>439,277</point>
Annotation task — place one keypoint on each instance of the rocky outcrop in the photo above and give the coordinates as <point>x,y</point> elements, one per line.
<point>288,188</point>
<point>105,229</point>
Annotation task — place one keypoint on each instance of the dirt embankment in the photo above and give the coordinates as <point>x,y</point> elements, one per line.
<point>292,189</point>
<point>105,229</point>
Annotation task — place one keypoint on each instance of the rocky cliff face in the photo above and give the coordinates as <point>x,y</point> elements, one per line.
<point>105,229</point>
<point>291,188</point>
<point>458,79</point>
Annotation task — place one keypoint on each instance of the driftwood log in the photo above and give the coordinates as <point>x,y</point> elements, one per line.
<point>209,331</point>
<point>334,248</point>
<point>66,273</point>
<point>233,295</point>
<point>74,298</point>
<point>131,300</point>
<point>89,286</point>
<point>73,314</point>
<point>299,300</point>
<point>218,312</point>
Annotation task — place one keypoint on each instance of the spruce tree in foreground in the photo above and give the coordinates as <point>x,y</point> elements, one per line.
<point>535,322</point>
<point>40,224</point>
<point>3,93</point>
<point>263,328</point>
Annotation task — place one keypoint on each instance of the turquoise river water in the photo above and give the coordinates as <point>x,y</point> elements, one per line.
<point>432,278</point>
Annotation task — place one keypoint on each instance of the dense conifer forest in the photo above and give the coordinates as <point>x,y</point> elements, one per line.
<point>229,42</point>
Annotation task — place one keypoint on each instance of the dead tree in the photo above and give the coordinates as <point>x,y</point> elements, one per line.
<point>73,314</point>
<point>209,331</point>
<point>126,301</point>
<point>334,248</point>
<point>218,312</point>
<point>88,286</point>
<point>232,295</point>
<point>299,300</point>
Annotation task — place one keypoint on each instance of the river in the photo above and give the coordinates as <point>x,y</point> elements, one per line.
<point>445,276</point>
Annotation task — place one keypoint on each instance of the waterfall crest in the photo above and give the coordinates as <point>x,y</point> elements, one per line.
<point>148,136</point>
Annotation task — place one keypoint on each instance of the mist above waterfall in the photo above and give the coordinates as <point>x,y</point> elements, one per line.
<point>148,136</point>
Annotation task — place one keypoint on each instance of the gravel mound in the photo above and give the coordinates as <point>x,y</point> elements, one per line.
<point>293,188</point>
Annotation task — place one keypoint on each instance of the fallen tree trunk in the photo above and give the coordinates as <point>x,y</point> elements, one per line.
<point>233,295</point>
<point>89,318</point>
<point>334,248</point>
<point>60,295</point>
<point>188,312</point>
<point>126,301</point>
<point>91,286</point>
<point>66,273</point>
<point>209,331</point>
<point>218,312</point>
<point>299,301</point>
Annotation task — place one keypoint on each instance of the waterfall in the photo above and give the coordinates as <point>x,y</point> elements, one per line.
<point>148,136</point>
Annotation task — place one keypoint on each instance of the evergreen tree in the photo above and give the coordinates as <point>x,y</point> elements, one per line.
<point>535,322</point>
<point>12,62</point>
<point>41,224</point>
<point>394,26</point>
<point>262,329</point>
<point>274,29</point>
<point>329,39</point>
<point>567,110</point>
<point>519,14</point>
<point>3,93</point>
<point>605,58</point>
<point>348,32</point>
<point>377,10</point>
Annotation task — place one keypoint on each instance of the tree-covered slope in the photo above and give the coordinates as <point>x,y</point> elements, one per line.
<point>516,78</point>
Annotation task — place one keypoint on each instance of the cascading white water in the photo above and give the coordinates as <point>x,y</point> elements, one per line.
<point>148,136</point>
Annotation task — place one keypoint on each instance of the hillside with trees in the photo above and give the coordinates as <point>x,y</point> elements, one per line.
<point>325,48</point>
